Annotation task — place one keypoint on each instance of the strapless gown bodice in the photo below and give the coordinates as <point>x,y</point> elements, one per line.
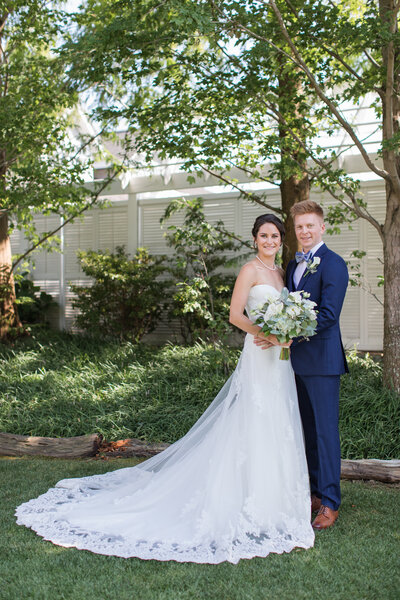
<point>235,486</point>
<point>260,294</point>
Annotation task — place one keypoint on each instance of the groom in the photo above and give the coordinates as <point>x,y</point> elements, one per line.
<point>319,362</point>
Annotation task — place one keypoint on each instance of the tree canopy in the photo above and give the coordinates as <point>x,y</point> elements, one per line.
<point>250,84</point>
<point>43,162</point>
<point>218,84</point>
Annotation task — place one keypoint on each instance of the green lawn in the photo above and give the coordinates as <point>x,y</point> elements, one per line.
<point>357,559</point>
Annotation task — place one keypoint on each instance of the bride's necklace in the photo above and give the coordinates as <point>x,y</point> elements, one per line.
<point>266,266</point>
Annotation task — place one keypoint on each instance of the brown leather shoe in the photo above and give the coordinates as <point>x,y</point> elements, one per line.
<point>315,503</point>
<point>325,517</point>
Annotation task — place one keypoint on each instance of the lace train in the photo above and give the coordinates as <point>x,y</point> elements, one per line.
<point>235,486</point>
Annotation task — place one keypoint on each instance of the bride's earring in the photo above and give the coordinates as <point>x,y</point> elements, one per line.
<point>255,245</point>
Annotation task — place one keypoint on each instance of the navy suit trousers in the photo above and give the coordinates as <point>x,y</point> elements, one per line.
<point>319,409</point>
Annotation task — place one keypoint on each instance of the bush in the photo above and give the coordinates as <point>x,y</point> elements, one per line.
<point>202,294</point>
<point>33,304</point>
<point>369,413</point>
<point>126,297</point>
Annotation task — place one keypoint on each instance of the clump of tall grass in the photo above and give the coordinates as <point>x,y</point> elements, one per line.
<point>369,413</point>
<point>64,385</point>
<point>72,385</point>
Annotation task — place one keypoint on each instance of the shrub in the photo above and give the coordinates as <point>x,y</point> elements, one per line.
<point>127,294</point>
<point>369,413</point>
<point>33,304</point>
<point>202,294</point>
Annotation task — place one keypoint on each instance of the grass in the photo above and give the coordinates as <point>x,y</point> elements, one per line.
<point>357,558</point>
<point>71,385</point>
<point>369,413</point>
<point>63,385</point>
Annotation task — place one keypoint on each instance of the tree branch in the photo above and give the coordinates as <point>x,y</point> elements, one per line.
<point>4,20</point>
<point>331,105</point>
<point>325,166</point>
<point>253,197</point>
<point>68,220</point>
<point>234,237</point>
<point>250,172</point>
<point>350,69</point>
<point>255,35</point>
<point>87,143</point>
<point>298,61</point>
<point>371,59</point>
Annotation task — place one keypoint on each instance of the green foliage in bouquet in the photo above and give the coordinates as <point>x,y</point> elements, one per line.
<point>127,295</point>
<point>287,316</point>
<point>202,294</point>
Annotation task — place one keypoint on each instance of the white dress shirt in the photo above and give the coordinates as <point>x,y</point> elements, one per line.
<point>301,266</point>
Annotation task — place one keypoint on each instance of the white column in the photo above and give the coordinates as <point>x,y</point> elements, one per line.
<point>364,334</point>
<point>238,204</point>
<point>62,299</point>
<point>133,224</point>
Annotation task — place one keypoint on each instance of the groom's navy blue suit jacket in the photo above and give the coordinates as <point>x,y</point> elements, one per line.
<point>323,354</point>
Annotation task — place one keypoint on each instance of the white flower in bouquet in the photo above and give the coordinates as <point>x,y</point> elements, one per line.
<point>288,316</point>
<point>274,309</point>
<point>297,297</point>
<point>294,311</point>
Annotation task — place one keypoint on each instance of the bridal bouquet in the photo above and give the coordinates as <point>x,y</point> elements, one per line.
<point>288,316</point>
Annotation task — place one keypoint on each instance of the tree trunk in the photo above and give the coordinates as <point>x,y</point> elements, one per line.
<point>8,309</point>
<point>24,445</point>
<point>387,471</point>
<point>391,331</point>
<point>130,447</point>
<point>296,187</point>
<point>391,230</point>
<point>293,190</point>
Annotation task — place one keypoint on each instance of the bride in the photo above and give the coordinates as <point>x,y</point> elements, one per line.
<point>235,486</point>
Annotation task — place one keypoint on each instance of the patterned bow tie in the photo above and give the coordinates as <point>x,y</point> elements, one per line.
<point>303,256</point>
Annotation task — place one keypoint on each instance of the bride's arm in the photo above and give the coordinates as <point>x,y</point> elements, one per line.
<point>245,280</point>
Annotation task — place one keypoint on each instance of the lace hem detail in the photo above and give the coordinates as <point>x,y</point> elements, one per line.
<point>40,515</point>
<point>235,486</point>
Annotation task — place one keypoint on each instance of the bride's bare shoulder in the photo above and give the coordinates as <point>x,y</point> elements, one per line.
<point>248,270</point>
<point>250,266</point>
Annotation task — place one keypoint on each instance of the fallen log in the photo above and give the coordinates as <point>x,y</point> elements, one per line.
<point>129,448</point>
<point>387,471</point>
<point>74,447</point>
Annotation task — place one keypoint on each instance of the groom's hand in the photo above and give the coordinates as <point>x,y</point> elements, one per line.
<point>262,342</point>
<point>266,342</point>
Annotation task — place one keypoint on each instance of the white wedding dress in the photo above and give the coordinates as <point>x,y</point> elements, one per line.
<point>235,486</point>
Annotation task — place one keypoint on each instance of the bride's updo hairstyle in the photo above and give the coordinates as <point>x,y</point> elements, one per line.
<point>268,218</point>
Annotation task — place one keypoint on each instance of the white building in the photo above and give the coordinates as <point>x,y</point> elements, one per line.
<point>138,201</point>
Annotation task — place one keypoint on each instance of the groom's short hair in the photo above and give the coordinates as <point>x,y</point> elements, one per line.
<point>306,206</point>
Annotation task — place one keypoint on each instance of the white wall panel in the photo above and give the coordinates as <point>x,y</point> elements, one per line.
<point>362,315</point>
<point>113,227</point>
<point>151,235</point>
<point>47,264</point>
<point>79,235</point>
